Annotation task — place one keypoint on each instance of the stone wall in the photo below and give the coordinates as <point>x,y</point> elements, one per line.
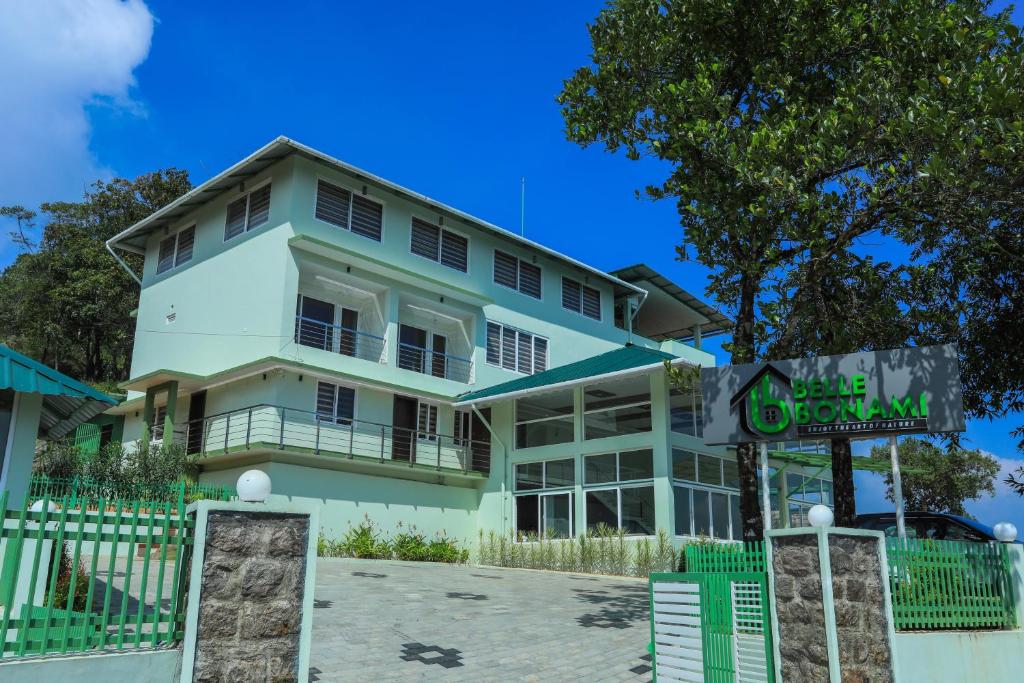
<point>862,621</point>
<point>250,600</point>
<point>799,606</point>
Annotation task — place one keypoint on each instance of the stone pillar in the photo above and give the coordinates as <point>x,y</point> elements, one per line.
<point>251,593</point>
<point>831,609</point>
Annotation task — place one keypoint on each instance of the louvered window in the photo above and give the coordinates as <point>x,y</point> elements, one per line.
<point>176,249</point>
<point>340,207</point>
<point>510,271</point>
<point>248,212</point>
<point>580,298</point>
<point>426,421</point>
<point>437,244</point>
<point>335,403</point>
<point>516,350</point>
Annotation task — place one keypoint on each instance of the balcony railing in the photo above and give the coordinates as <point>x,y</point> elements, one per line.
<point>268,426</point>
<point>338,339</point>
<point>427,362</point>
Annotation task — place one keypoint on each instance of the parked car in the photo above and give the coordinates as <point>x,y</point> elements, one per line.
<point>933,525</point>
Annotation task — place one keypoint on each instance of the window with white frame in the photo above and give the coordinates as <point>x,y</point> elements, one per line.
<point>543,506</point>
<point>581,298</point>
<point>438,244</point>
<point>176,249</point>
<point>247,212</point>
<point>157,429</point>
<point>512,272</point>
<point>335,403</point>
<point>619,493</point>
<point>686,414</point>
<point>706,492</point>
<point>348,210</point>
<point>426,421</point>
<point>617,408</point>
<point>516,350</point>
<point>545,419</point>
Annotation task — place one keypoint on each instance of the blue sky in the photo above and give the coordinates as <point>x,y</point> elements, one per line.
<point>455,100</point>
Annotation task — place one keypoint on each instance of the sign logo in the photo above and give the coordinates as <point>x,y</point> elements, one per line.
<point>823,406</point>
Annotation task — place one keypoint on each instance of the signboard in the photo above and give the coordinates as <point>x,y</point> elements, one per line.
<point>856,395</point>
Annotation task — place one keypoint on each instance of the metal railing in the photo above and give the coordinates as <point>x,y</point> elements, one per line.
<point>427,362</point>
<point>338,339</point>
<point>83,574</point>
<point>939,585</point>
<point>269,426</point>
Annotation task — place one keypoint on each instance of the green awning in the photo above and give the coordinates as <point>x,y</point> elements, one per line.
<point>824,460</point>
<point>66,402</point>
<point>619,360</point>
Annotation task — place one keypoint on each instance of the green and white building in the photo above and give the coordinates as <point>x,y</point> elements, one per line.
<point>389,356</point>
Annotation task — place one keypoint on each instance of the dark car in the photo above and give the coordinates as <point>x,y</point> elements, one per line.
<point>934,525</point>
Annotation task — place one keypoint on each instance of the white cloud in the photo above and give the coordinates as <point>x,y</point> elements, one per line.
<point>56,57</point>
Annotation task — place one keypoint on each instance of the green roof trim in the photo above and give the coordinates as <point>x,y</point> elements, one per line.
<point>28,376</point>
<point>626,358</point>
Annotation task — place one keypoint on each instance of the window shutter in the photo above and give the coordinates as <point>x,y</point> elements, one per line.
<point>454,250</point>
<point>332,204</point>
<point>529,279</point>
<point>186,240</point>
<point>346,406</point>
<point>591,303</point>
<point>165,261</point>
<point>540,354</point>
<point>259,207</point>
<point>571,294</point>
<point>505,266</point>
<point>508,348</point>
<point>426,239</point>
<point>494,343</point>
<point>525,353</point>
<point>366,217</point>
<point>235,224</point>
<point>325,400</point>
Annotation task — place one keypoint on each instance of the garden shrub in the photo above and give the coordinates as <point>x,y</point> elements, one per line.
<point>365,541</point>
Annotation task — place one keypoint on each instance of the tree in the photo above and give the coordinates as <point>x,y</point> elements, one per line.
<point>796,129</point>
<point>69,303</point>
<point>937,480</point>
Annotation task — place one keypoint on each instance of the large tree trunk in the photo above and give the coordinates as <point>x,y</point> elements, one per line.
<point>842,483</point>
<point>746,453</point>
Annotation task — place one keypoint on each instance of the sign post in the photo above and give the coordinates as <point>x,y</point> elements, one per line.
<point>766,494</point>
<point>897,488</point>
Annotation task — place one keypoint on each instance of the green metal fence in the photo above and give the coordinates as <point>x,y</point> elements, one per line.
<point>943,585</point>
<point>715,558</point>
<point>79,487</point>
<point>82,573</point>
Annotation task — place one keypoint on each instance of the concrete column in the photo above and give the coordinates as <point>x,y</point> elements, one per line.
<point>172,405</point>
<point>147,417</point>
<point>831,609</point>
<point>664,501</point>
<point>16,476</point>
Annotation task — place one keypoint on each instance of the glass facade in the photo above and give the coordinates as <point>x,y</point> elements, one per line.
<point>617,408</point>
<point>545,420</point>
<point>706,495</point>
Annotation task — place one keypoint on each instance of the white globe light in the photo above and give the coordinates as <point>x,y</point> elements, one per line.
<point>1006,532</point>
<point>820,516</point>
<point>53,507</point>
<point>253,486</point>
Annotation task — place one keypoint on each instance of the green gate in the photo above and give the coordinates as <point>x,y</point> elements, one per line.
<point>711,627</point>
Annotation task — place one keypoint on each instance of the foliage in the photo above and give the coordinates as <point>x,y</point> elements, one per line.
<point>603,551</point>
<point>65,575</point>
<point>947,478</point>
<point>365,540</point>
<point>68,303</point>
<point>797,133</point>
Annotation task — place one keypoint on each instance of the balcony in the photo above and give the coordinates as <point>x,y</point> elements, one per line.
<point>269,427</point>
<point>434,363</point>
<point>339,339</point>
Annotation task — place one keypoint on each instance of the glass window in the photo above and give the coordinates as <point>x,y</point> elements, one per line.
<point>560,473</point>
<point>527,515</point>
<point>638,510</point>
<point>437,244</point>
<point>602,509</point>
<point>544,420</point>
<point>636,465</point>
<point>557,512</point>
<point>731,472</point>
<point>709,469</point>
<point>684,410</point>
<point>599,469</point>
<point>248,212</point>
<point>827,497</point>
<point>616,408</point>
<point>529,475</point>
<point>684,465</point>
<point>683,518</point>
<point>720,515</point>
<point>516,350</point>
<point>701,513</point>
<point>737,518</point>
<point>794,486</point>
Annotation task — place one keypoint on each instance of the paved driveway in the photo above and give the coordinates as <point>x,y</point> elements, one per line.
<point>405,621</point>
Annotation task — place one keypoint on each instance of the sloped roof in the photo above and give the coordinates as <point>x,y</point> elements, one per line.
<point>644,276</point>
<point>67,402</point>
<point>618,360</point>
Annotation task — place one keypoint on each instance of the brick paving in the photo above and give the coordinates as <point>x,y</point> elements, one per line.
<point>406,621</point>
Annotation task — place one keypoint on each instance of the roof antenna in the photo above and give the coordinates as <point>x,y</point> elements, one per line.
<point>522,206</point>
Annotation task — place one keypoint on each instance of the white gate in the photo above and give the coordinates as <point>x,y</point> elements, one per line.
<point>676,631</point>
